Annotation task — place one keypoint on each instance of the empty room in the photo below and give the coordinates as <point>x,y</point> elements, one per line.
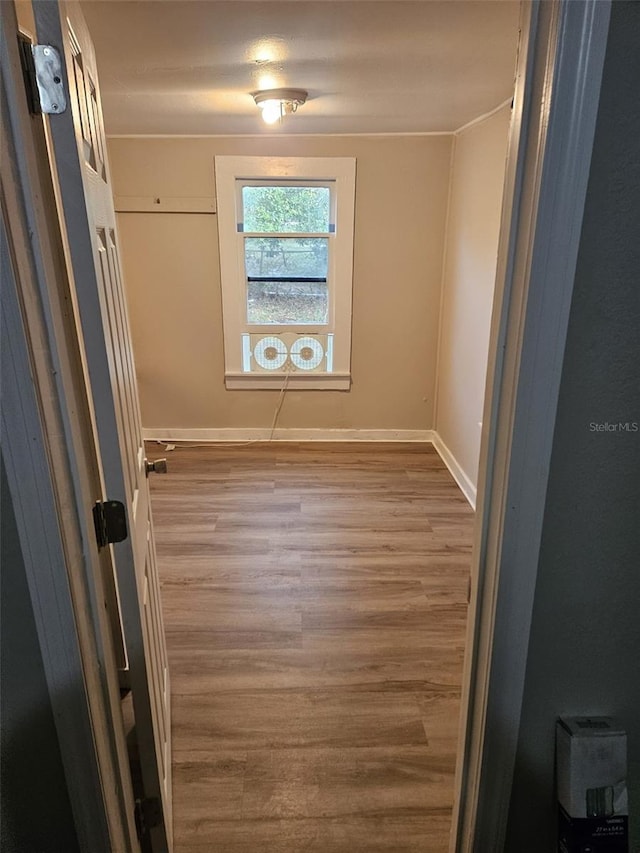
<point>296,276</point>
<point>319,424</point>
<point>318,398</point>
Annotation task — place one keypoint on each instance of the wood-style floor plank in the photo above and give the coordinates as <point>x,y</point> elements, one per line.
<point>345,834</point>
<point>315,605</point>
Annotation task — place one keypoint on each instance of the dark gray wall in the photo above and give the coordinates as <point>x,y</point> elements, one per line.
<point>34,805</point>
<point>584,650</point>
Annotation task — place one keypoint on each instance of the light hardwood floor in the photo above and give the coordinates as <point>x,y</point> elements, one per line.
<point>315,602</point>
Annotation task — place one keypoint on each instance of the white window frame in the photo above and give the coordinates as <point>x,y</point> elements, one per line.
<point>339,173</point>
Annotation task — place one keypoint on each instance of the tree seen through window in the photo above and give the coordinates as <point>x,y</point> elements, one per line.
<point>287,270</point>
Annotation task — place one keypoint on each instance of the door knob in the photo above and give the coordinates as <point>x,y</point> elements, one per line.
<point>159,466</point>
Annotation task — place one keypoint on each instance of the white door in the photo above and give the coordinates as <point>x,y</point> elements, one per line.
<point>78,155</point>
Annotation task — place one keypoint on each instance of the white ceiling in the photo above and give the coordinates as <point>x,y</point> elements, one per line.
<point>387,66</point>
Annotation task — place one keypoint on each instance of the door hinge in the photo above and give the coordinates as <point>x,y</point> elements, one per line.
<point>148,813</point>
<point>42,69</point>
<point>110,520</point>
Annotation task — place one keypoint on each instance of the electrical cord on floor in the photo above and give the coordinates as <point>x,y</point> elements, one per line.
<point>173,445</point>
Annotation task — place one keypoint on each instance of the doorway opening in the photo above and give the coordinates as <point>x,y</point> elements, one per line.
<point>176,437</point>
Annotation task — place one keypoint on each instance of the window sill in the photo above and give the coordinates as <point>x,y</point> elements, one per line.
<point>296,381</point>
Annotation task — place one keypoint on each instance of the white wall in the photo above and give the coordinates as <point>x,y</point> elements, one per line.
<point>475,199</point>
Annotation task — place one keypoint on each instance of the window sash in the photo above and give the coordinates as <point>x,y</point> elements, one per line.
<point>328,279</point>
<point>329,183</point>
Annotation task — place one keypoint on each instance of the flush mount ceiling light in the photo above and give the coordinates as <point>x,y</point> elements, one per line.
<point>277,103</point>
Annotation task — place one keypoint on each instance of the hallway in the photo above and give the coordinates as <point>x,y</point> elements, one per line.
<point>315,603</point>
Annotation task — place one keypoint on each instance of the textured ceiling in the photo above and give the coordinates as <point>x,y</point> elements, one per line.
<point>389,66</point>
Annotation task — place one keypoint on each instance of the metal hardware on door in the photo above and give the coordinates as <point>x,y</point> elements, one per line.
<point>148,813</point>
<point>159,466</point>
<point>110,519</point>
<point>42,69</point>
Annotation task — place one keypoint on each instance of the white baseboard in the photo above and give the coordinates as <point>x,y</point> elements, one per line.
<point>469,490</point>
<point>263,434</point>
<point>233,434</point>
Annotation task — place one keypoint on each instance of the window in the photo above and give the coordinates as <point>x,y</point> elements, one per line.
<point>286,259</point>
<point>286,271</point>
